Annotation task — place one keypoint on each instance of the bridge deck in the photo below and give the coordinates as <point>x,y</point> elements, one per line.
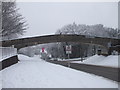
<point>23,42</point>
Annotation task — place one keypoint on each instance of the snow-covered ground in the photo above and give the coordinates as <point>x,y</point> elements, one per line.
<point>109,61</point>
<point>36,73</point>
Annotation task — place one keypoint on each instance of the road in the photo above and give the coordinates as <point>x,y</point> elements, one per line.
<point>107,72</point>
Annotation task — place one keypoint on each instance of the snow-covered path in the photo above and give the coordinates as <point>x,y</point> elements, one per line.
<point>36,73</point>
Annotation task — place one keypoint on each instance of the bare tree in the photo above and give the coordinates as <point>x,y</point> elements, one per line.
<point>13,24</point>
<point>98,30</point>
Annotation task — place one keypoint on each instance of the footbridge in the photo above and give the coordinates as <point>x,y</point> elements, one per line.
<point>30,41</point>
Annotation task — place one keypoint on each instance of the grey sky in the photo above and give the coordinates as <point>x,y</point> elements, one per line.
<point>46,18</point>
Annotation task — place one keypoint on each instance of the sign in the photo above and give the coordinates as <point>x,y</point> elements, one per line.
<point>68,49</point>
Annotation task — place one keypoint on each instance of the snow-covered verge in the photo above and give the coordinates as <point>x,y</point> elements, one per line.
<point>109,61</point>
<point>36,73</point>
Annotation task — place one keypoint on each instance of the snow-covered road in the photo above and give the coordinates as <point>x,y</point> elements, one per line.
<point>36,73</point>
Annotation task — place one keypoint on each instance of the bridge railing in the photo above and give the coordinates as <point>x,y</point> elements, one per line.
<point>6,52</point>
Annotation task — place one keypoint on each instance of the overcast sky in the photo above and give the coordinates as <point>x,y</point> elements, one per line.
<point>45,18</point>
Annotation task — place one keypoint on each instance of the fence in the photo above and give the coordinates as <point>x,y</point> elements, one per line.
<point>7,52</point>
<point>8,57</point>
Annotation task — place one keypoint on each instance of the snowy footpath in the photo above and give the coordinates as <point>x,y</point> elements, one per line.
<point>36,73</point>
